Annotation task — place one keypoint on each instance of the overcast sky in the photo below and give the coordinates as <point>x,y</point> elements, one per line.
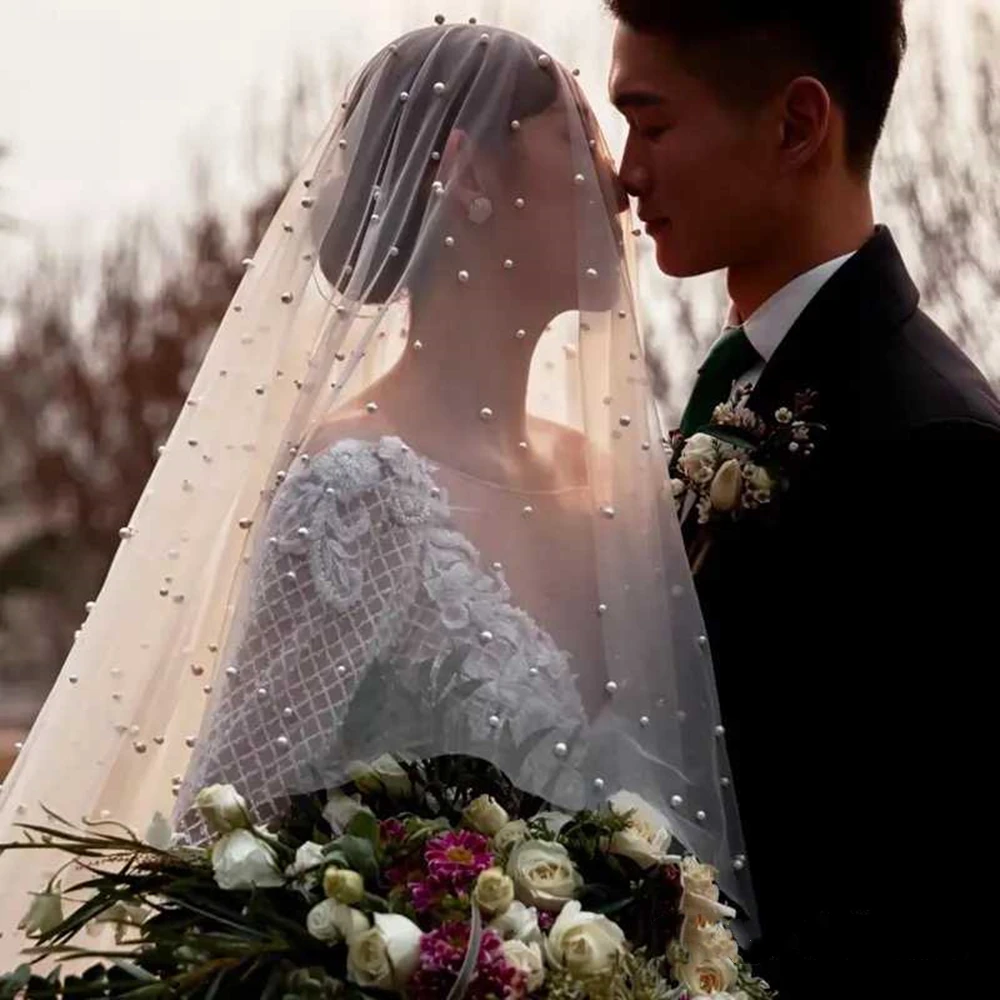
<point>106,103</point>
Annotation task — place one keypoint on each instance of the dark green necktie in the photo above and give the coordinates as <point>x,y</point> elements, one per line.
<point>726,362</point>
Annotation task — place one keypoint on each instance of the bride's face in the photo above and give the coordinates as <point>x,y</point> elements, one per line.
<point>567,229</point>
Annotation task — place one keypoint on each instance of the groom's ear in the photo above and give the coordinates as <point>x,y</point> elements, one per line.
<point>459,168</point>
<point>806,116</point>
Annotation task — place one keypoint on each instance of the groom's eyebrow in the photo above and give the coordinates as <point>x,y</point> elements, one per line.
<point>637,99</point>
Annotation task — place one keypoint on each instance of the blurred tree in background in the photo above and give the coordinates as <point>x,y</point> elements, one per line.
<point>94,371</point>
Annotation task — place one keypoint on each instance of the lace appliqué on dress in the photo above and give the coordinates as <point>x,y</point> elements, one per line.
<point>361,569</point>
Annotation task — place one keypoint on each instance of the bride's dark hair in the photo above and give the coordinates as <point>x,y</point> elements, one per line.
<point>390,125</point>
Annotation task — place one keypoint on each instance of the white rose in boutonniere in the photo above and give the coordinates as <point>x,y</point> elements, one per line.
<point>223,809</point>
<point>727,486</point>
<point>340,809</point>
<point>758,481</point>
<point>648,835</point>
<point>243,861</point>
<point>700,896</point>
<point>486,815</point>
<point>544,874</point>
<point>585,944</point>
<point>699,458</point>
<point>386,956</point>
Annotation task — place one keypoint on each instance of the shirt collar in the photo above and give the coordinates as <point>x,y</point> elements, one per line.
<point>768,326</point>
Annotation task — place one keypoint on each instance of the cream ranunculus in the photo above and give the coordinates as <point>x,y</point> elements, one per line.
<point>527,959</point>
<point>223,809</point>
<point>243,861</point>
<point>510,835</point>
<point>387,955</point>
<point>544,874</point>
<point>648,837</point>
<point>486,815</point>
<point>343,885</point>
<point>707,976</point>
<point>699,459</point>
<point>518,922</point>
<point>333,922</point>
<point>727,486</point>
<point>493,892</point>
<point>585,944</point>
<point>700,896</point>
<point>45,912</point>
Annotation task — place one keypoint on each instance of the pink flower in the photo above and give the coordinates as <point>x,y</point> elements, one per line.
<point>442,953</point>
<point>455,859</point>
<point>391,831</point>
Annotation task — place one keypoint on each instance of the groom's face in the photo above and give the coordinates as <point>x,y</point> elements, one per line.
<point>701,170</point>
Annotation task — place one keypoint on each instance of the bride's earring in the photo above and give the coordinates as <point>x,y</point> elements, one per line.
<point>480,210</point>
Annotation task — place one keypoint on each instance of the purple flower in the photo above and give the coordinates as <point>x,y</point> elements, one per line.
<point>455,859</point>
<point>442,953</point>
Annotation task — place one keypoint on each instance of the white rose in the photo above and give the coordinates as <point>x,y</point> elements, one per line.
<point>307,858</point>
<point>486,815</point>
<point>243,861</point>
<point>709,976</point>
<point>543,874</point>
<point>708,941</point>
<point>340,809</point>
<point>699,458</point>
<point>223,809</point>
<point>585,944</point>
<point>493,891</point>
<point>727,486</point>
<point>518,922</point>
<point>700,896</point>
<point>384,772</point>
<point>45,912</point>
<point>648,836</point>
<point>510,835</point>
<point>343,886</point>
<point>527,959</point>
<point>759,481</point>
<point>387,955</point>
<point>333,922</point>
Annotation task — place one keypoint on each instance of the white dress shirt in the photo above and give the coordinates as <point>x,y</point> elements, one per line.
<point>768,326</point>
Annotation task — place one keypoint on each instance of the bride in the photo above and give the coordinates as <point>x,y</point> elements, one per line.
<point>417,500</point>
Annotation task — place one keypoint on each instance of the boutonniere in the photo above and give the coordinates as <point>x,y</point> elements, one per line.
<point>741,464</point>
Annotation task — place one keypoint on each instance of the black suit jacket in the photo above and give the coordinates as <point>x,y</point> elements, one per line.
<point>854,638</point>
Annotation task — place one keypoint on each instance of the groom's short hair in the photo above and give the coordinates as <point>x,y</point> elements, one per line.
<point>746,49</point>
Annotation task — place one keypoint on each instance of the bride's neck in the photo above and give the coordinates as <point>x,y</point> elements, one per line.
<point>462,383</point>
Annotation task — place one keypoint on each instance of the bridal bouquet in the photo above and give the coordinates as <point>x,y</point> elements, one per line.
<point>435,879</point>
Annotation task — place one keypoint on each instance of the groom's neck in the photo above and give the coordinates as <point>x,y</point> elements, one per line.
<point>833,223</point>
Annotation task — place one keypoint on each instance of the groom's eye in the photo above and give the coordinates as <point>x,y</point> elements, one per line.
<point>652,132</point>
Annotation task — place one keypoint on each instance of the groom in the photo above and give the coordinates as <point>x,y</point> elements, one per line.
<point>853,635</point>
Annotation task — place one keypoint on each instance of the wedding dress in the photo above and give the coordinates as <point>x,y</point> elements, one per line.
<point>492,565</point>
<point>363,567</point>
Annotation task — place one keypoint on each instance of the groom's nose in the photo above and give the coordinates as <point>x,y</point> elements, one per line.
<point>634,179</point>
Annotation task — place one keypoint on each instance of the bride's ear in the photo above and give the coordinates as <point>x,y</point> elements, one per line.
<point>459,165</point>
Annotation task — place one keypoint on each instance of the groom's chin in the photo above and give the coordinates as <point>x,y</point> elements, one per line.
<point>676,265</point>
